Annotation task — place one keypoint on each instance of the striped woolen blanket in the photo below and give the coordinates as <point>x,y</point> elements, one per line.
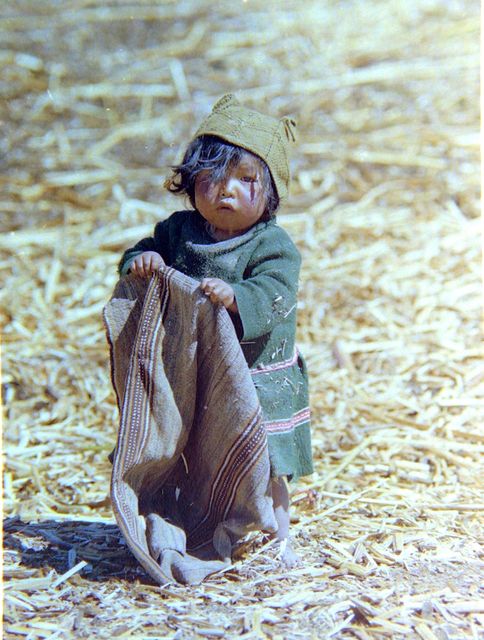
<point>191,468</point>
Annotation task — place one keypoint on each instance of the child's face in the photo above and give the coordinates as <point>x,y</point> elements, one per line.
<point>235,204</point>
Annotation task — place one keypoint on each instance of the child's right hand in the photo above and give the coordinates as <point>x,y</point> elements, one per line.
<point>146,263</point>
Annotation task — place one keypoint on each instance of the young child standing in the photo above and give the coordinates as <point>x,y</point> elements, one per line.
<point>235,172</point>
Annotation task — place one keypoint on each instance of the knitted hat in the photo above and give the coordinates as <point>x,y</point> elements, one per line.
<point>263,135</point>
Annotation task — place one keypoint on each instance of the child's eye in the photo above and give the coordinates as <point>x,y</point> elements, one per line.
<point>249,179</point>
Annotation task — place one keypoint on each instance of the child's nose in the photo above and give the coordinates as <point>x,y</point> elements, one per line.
<point>228,186</point>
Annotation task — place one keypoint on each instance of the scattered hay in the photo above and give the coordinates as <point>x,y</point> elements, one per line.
<point>99,100</point>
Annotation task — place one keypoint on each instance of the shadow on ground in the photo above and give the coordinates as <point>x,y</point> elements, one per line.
<point>62,544</point>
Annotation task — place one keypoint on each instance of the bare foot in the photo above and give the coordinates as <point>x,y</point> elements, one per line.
<point>287,556</point>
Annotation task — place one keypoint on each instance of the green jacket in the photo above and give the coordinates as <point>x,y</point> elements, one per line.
<point>262,265</point>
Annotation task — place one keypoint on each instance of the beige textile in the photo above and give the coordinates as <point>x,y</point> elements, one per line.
<point>191,467</point>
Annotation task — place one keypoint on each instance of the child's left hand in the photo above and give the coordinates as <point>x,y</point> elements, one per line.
<point>219,291</point>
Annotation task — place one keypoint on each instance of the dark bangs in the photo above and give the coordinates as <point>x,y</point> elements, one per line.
<point>210,153</point>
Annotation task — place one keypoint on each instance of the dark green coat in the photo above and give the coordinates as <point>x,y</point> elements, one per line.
<point>262,265</point>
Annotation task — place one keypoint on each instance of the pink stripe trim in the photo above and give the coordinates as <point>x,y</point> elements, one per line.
<point>281,426</point>
<point>285,364</point>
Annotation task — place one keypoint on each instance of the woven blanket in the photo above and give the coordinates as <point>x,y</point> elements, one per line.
<point>191,467</point>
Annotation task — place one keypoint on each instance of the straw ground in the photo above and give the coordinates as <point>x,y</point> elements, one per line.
<point>98,99</point>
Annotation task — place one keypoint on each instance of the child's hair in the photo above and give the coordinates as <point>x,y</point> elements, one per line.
<point>210,153</point>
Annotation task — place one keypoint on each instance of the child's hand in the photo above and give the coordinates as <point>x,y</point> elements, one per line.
<point>219,291</point>
<point>146,263</point>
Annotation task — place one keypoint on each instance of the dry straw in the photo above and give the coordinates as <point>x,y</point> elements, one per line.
<point>98,100</point>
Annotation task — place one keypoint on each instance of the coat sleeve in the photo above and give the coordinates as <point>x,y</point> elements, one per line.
<point>268,293</point>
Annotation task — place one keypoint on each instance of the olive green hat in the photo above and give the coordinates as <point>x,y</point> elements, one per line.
<point>262,135</point>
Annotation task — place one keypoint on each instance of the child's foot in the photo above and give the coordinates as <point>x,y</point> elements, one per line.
<point>280,498</point>
<point>287,556</point>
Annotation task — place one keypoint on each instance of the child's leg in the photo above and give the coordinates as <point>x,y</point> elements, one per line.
<point>280,498</point>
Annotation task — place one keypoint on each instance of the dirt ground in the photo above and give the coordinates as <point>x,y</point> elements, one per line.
<point>97,101</point>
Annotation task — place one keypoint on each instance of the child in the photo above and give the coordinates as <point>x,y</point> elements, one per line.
<point>234,173</point>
